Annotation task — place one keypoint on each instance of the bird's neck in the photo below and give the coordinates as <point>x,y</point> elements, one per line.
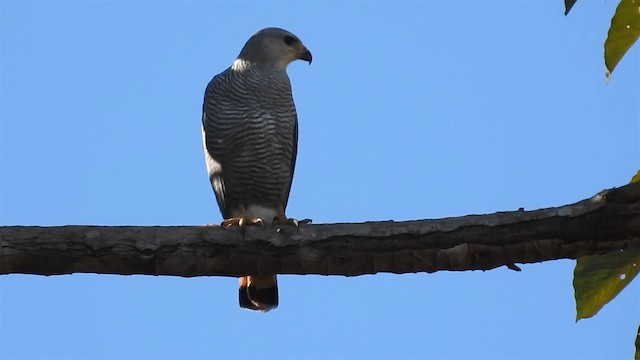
<point>242,65</point>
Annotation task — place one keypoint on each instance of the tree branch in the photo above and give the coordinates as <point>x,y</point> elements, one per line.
<point>606,222</point>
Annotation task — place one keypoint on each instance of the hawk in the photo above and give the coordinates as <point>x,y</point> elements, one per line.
<point>250,140</point>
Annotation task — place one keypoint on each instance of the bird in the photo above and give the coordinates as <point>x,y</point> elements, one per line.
<point>250,141</point>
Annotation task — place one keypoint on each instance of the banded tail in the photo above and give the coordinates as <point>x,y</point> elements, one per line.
<point>259,293</point>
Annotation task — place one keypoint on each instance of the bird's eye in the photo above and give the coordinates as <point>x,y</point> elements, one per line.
<point>289,40</point>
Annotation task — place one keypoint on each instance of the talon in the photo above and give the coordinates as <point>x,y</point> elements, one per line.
<point>241,222</point>
<point>291,222</point>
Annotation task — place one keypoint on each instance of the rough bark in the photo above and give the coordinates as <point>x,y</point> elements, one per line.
<point>606,222</point>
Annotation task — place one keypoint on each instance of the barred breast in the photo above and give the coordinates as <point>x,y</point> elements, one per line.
<point>250,140</point>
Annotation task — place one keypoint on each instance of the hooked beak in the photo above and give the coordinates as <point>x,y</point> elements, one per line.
<point>306,56</point>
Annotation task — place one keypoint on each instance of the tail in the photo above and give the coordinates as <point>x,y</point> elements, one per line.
<point>258,293</point>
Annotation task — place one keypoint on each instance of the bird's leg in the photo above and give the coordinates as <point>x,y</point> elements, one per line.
<point>241,222</point>
<point>290,221</point>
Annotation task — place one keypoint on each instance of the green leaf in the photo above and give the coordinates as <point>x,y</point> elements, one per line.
<point>635,178</point>
<point>624,31</point>
<point>598,279</point>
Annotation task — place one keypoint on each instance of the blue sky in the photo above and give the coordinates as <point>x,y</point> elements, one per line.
<point>410,110</point>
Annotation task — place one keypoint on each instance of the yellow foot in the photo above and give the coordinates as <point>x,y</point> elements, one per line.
<point>241,222</point>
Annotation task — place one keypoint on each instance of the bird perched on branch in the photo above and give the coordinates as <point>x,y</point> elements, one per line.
<point>250,139</point>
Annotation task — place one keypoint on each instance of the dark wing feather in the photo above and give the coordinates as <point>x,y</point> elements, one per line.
<point>213,156</point>
<point>294,154</point>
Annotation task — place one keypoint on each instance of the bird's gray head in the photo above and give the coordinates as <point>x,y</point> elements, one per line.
<point>274,46</point>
